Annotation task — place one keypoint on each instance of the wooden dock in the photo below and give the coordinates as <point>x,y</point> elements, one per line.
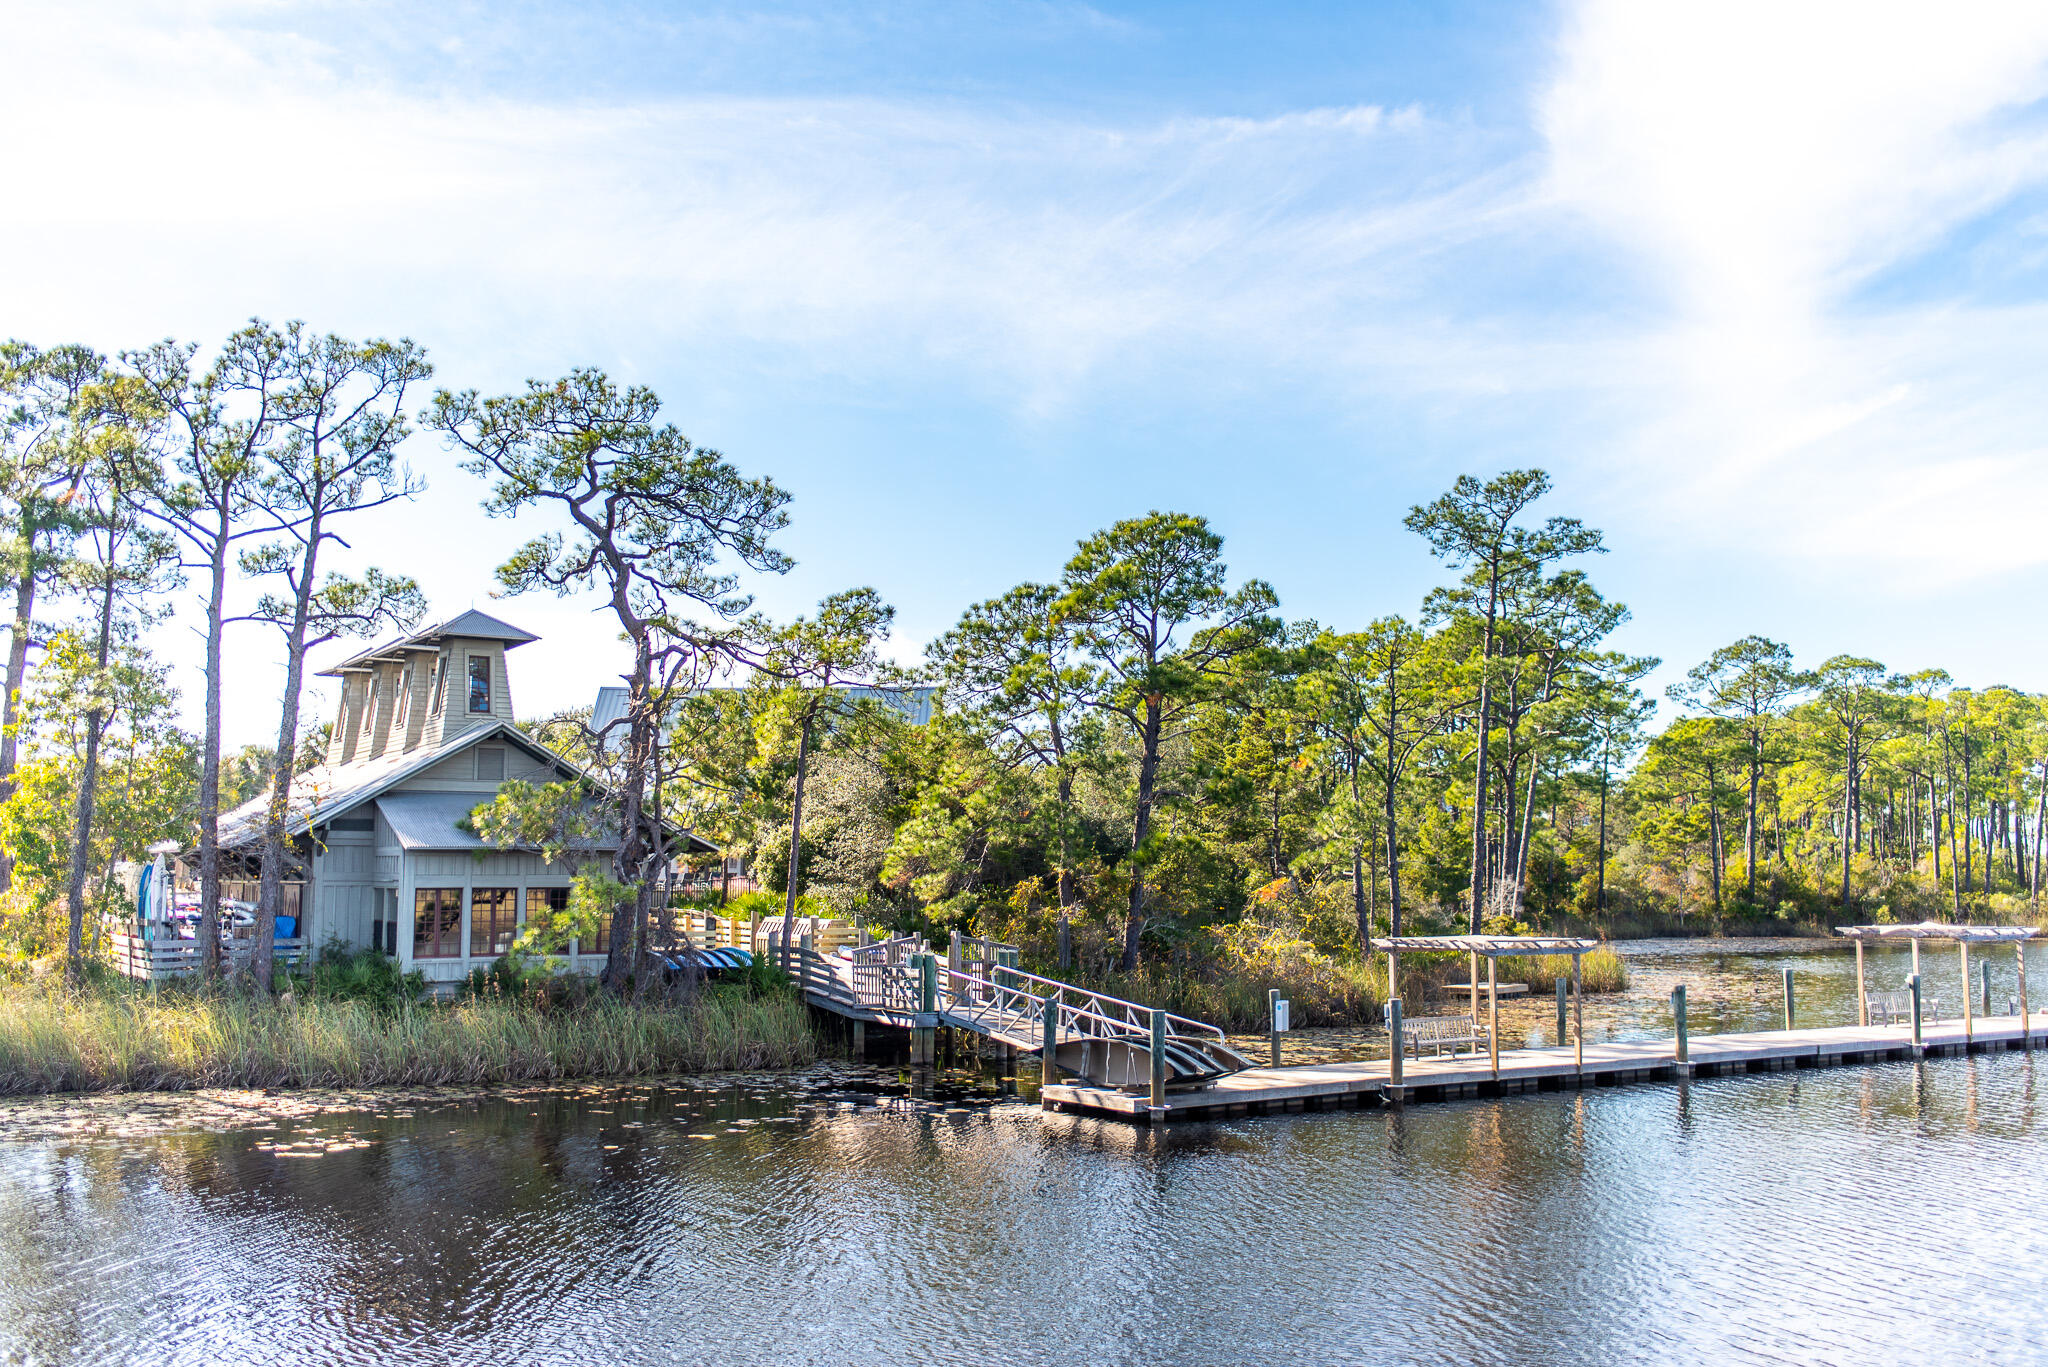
<point>1333,1086</point>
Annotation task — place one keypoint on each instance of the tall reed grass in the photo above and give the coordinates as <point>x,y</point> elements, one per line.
<point>111,1036</point>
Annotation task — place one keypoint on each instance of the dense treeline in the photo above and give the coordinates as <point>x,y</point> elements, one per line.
<point>1140,755</point>
<point>1159,759</point>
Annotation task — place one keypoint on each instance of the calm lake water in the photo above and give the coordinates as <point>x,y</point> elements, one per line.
<point>1890,1213</point>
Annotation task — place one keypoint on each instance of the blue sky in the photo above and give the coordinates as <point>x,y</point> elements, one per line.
<point>1761,286</point>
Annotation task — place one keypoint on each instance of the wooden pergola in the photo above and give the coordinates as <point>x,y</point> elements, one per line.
<point>1490,948</point>
<point>1964,936</point>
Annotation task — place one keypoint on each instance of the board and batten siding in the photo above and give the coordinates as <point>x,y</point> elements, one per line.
<point>344,875</point>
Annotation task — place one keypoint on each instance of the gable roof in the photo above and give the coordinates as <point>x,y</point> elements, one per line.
<point>471,625</point>
<point>326,791</point>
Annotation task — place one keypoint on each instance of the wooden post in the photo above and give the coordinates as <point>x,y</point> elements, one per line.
<point>1561,1027</point>
<point>927,1036</point>
<point>1472,985</point>
<point>1578,1018</point>
<point>1158,1066</point>
<point>953,951</point>
<point>1916,957</point>
<point>1048,1061</point>
<point>2019,951</point>
<point>1969,1016</point>
<point>1678,1048</point>
<point>1913,983</point>
<point>1393,976</point>
<point>1788,998</point>
<point>1862,992</point>
<point>860,1039</point>
<point>1394,1050</point>
<point>1492,1015</point>
<point>1984,973</point>
<point>1273,1021</point>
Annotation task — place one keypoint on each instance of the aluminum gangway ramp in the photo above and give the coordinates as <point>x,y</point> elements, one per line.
<point>1103,1039</point>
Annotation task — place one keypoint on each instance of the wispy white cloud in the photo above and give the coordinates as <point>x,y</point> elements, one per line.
<point>1661,287</point>
<point>1761,164</point>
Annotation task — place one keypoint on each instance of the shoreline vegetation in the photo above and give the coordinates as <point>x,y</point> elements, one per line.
<point>1322,992</point>
<point>109,1035</point>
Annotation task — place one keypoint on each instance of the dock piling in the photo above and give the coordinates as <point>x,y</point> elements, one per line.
<point>1678,1047</point>
<point>1273,1021</point>
<point>1561,1027</point>
<point>1984,972</point>
<point>1395,1090</point>
<point>1969,1024</point>
<point>1048,1058</point>
<point>1578,1019</point>
<point>2026,1030</point>
<point>1862,991</point>
<point>1492,1015</point>
<point>1159,1066</point>
<point>1788,999</point>
<point>1913,983</point>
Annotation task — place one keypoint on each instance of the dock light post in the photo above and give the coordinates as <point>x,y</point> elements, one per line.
<point>1277,1013</point>
<point>1561,1027</point>
<point>1913,983</point>
<point>1678,1049</point>
<point>1158,1066</point>
<point>1788,999</point>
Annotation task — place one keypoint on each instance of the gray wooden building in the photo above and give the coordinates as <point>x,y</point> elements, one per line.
<point>423,734</point>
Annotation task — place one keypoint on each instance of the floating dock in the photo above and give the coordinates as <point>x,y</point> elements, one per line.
<point>1334,1086</point>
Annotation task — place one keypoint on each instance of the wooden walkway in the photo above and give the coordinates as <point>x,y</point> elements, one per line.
<point>1332,1086</point>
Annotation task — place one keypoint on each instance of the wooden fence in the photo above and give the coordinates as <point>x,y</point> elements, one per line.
<point>136,957</point>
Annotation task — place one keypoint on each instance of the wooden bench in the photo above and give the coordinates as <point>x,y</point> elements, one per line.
<point>1441,1032</point>
<point>1896,1008</point>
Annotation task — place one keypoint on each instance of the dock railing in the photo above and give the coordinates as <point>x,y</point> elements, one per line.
<point>1014,996</point>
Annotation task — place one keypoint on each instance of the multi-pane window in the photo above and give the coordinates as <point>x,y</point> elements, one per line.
<point>436,923</point>
<point>479,683</point>
<point>493,920</point>
<point>543,904</point>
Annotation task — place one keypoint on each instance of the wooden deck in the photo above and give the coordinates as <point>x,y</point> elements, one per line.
<point>1331,1086</point>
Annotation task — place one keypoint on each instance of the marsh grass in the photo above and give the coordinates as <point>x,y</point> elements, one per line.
<point>1601,970</point>
<point>115,1036</point>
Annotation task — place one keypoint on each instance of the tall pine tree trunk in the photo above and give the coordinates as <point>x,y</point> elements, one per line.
<point>1141,827</point>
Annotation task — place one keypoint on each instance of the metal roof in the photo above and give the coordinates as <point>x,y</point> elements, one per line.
<point>1939,930</point>
<point>1488,946</point>
<point>327,791</point>
<point>433,821</point>
<point>471,625</point>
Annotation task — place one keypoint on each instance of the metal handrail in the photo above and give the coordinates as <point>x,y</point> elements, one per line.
<point>1025,1008</point>
<point>1140,1016</point>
